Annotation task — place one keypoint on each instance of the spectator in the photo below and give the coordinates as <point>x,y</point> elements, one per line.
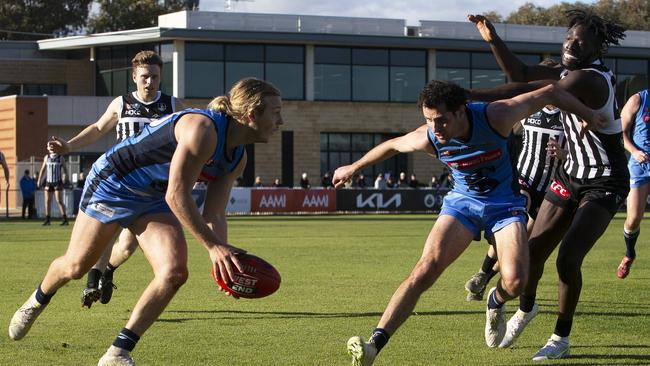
<point>304,181</point>
<point>27,188</point>
<point>276,183</point>
<point>390,182</point>
<point>326,181</point>
<point>401,181</point>
<point>413,183</point>
<point>81,180</point>
<point>444,179</point>
<point>258,182</point>
<point>435,183</point>
<point>360,181</point>
<point>380,183</point>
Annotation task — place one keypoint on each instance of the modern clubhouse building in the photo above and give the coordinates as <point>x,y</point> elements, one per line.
<point>347,83</point>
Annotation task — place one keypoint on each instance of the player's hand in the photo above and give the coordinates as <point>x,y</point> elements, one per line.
<point>484,26</point>
<point>224,261</point>
<point>58,146</point>
<point>640,156</point>
<point>554,149</point>
<point>343,175</point>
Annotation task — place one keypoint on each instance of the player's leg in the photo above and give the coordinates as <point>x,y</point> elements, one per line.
<point>476,285</point>
<point>93,292</point>
<point>59,200</point>
<point>48,198</point>
<point>636,203</point>
<point>161,239</point>
<point>446,241</point>
<point>87,242</point>
<point>125,246</point>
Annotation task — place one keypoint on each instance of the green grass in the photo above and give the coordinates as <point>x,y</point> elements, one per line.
<point>338,273</point>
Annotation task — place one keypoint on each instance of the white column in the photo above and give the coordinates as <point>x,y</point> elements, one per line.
<point>178,59</point>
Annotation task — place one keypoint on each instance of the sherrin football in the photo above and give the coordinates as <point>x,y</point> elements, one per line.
<point>259,278</point>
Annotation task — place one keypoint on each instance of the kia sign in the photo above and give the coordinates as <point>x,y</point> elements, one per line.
<point>393,200</point>
<point>293,200</point>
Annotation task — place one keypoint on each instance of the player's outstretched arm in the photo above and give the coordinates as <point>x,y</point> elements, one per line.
<point>628,114</point>
<point>416,140</point>
<point>511,65</point>
<point>91,133</point>
<point>197,139</point>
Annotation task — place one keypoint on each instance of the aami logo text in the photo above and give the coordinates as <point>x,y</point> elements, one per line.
<point>275,201</point>
<point>376,200</point>
<point>315,200</point>
<point>559,190</point>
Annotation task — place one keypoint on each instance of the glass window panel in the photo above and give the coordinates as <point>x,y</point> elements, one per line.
<point>406,83</point>
<point>487,78</point>
<point>452,59</point>
<point>196,51</point>
<point>529,59</point>
<point>119,58</point>
<point>104,83</point>
<point>288,78</point>
<point>32,89</point>
<point>332,55</point>
<point>119,82</point>
<point>332,82</point>
<point>244,52</point>
<point>167,52</point>
<point>236,71</point>
<point>457,76</point>
<point>131,87</point>
<point>370,83</point>
<point>610,63</point>
<point>339,141</point>
<point>323,162</point>
<point>632,66</point>
<point>323,142</point>
<point>484,61</point>
<point>334,160</point>
<point>203,79</point>
<point>59,89</point>
<point>167,78</point>
<point>103,58</point>
<point>363,56</point>
<point>408,58</point>
<point>361,142</point>
<point>294,54</point>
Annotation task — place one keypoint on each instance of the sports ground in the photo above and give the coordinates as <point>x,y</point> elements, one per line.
<point>338,273</point>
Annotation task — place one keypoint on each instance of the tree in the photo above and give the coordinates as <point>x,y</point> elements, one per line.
<point>117,15</point>
<point>35,19</point>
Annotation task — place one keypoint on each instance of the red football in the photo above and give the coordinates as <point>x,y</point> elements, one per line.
<point>259,279</point>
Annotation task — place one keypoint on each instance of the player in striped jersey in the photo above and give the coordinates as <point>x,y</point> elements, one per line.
<point>593,182</point>
<point>541,153</point>
<point>51,174</point>
<point>635,117</point>
<point>145,184</point>
<point>128,114</point>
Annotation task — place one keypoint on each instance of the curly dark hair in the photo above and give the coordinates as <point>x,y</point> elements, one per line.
<point>438,92</point>
<point>608,33</point>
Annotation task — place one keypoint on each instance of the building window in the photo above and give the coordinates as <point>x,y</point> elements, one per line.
<point>33,89</point>
<point>337,149</point>
<point>211,69</point>
<point>368,74</point>
<point>631,77</point>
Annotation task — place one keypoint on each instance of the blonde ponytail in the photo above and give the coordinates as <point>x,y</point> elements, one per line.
<point>245,97</point>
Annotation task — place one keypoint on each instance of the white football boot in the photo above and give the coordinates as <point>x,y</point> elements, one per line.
<point>516,325</point>
<point>495,323</point>
<point>363,354</point>
<point>116,357</point>
<point>556,347</point>
<point>25,317</point>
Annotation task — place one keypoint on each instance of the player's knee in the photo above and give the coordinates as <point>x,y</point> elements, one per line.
<point>175,277</point>
<point>514,285</point>
<point>568,268</point>
<point>75,270</point>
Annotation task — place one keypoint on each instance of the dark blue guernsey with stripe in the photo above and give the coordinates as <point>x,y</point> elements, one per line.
<point>139,165</point>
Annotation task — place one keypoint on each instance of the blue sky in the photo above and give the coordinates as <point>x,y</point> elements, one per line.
<point>412,11</point>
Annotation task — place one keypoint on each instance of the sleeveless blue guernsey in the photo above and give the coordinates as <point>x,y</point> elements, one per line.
<point>482,166</point>
<point>641,135</point>
<point>135,172</point>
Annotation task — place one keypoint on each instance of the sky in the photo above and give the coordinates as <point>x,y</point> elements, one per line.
<point>411,11</point>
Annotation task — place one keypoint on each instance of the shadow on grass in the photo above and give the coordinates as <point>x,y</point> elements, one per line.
<point>295,314</point>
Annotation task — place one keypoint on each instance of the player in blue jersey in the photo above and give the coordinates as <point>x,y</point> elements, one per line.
<point>593,181</point>
<point>472,139</point>
<point>635,117</point>
<point>126,115</point>
<point>144,184</point>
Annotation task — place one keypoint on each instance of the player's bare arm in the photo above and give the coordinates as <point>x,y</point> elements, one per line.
<point>514,68</point>
<point>416,140</point>
<point>585,85</point>
<point>628,114</point>
<point>105,124</point>
<point>196,141</point>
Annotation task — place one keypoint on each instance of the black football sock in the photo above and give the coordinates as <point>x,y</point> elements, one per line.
<point>488,264</point>
<point>563,327</point>
<point>126,340</point>
<point>42,297</point>
<point>630,241</point>
<point>93,278</point>
<point>110,269</point>
<point>526,303</point>
<point>379,337</point>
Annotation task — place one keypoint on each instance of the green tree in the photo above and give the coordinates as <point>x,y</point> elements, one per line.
<point>117,15</point>
<point>35,19</point>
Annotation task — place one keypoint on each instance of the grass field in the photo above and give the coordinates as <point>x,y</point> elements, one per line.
<point>338,274</point>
